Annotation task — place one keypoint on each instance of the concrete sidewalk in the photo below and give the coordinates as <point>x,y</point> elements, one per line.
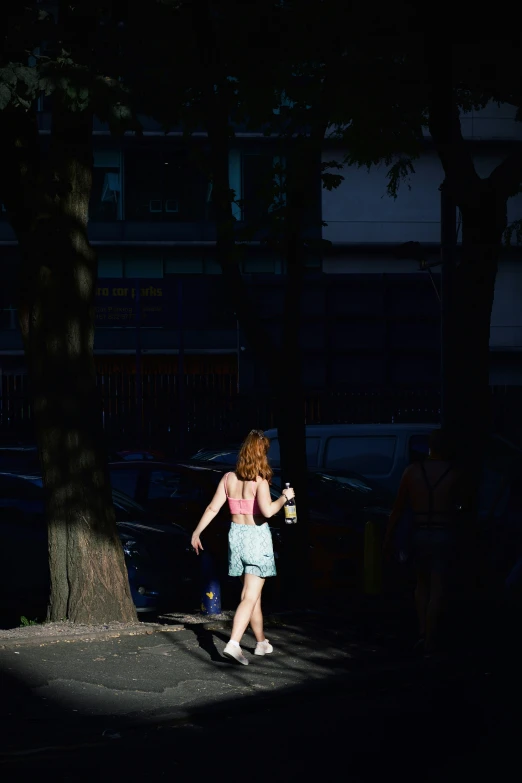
<point>115,701</point>
<point>171,674</point>
<point>342,694</point>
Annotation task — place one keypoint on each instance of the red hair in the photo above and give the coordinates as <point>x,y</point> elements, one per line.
<point>252,460</point>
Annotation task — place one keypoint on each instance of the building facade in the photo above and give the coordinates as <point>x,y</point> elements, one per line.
<point>366,227</point>
<point>370,318</point>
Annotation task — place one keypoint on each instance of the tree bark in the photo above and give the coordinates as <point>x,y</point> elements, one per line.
<point>48,206</point>
<point>483,206</point>
<point>469,413</point>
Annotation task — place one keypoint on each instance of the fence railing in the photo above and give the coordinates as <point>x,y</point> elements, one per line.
<point>207,409</point>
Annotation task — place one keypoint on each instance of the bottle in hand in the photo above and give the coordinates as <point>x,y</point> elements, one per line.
<point>290,510</point>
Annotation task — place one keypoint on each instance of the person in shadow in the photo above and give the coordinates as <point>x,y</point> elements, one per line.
<point>431,489</point>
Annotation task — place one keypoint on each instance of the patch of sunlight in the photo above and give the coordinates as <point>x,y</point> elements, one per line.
<point>36,316</point>
<point>84,460</point>
<point>78,238</point>
<point>98,478</point>
<point>83,281</point>
<point>74,339</point>
<point>54,345</point>
<point>72,439</point>
<point>65,493</point>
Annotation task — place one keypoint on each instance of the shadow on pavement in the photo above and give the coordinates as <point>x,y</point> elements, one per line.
<point>418,727</point>
<point>356,716</point>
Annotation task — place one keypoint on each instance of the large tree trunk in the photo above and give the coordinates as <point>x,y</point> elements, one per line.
<point>89,582</point>
<point>468,404</point>
<point>483,205</point>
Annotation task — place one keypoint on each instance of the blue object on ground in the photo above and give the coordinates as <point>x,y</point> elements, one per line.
<point>211,592</point>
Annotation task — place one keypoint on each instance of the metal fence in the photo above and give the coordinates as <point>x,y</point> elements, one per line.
<point>179,415</point>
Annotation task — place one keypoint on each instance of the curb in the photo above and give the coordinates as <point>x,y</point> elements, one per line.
<point>43,641</point>
<point>143,629</point>
<point>147,629</point>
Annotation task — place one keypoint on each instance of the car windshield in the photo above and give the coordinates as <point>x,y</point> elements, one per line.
<point>225,456</point>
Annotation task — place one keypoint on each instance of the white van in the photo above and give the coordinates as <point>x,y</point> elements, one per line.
<point>379,452</point>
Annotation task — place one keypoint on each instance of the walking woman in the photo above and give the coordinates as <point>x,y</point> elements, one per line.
<point>250,549</point>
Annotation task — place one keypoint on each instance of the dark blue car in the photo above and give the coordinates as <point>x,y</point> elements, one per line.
<point>161,565</point>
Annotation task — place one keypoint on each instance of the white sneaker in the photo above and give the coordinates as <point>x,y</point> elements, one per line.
<point>263,648</point>
<point>233,651</point>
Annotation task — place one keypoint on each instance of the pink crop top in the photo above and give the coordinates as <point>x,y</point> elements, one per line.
<point>242,506</point>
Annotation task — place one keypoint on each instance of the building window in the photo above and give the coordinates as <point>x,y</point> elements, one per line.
<point>192,266</point>
<point>110,264</point>
<point>184,266</point>
<point>9,291</point>
<point>106,203</point>
<point>263,266</point>
<point>142,264</point>
<point>165,185</point>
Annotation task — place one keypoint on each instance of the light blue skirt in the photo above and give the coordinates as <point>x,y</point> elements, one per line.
<point>250,550</point>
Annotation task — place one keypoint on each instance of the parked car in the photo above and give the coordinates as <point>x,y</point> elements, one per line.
<point>380,452</point>
<point>133,455</point>
<point>19,457</point>
<point>225,456</point>
<point>161,565</point>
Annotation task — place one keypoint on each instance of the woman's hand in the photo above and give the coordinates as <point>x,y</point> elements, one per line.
<point>288,493</point>
<point>196,543</point>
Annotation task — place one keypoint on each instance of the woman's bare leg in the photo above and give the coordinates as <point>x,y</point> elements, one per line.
<point>256,621</point>
<point>250,597</point>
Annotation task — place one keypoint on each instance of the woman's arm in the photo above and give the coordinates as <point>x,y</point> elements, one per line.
<point>267,506</point>
<point>208,515</point>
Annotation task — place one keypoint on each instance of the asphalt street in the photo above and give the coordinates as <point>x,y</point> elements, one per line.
<point>327,702</point>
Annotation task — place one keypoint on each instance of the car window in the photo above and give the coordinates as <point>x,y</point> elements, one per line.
<point>312,452</point>
<point>125,479</point>
<point>369,456</point>
<point>163,484</point>
<point>171,484</point>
